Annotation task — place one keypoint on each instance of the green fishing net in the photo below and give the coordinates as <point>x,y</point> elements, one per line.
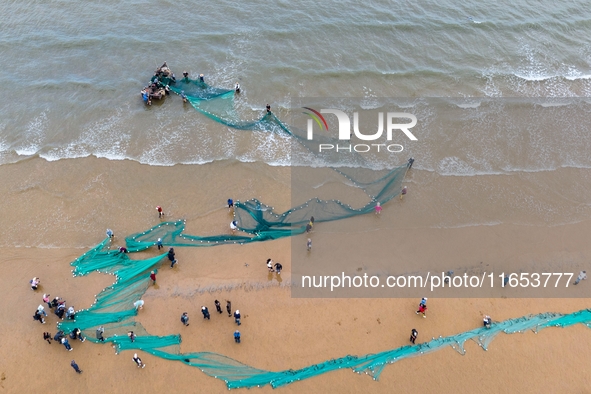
<point>114,306</point>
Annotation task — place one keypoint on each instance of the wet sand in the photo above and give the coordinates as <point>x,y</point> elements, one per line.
<point>61,208</point>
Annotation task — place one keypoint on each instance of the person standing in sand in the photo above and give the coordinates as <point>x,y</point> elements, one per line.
<point>403,192</point>
<point>47,300</point>
<point>237,336</point>
<point>160,211</point>
<point>230,204</point>
<point>75,366</point>
<point>582,276</point>
<point>233,226</point>
<point>422,309</point>
<point>71,313</point>
<point>47,337</point>
<point>237,317</point>
<point>77,334</point>
<point>138,361</point>
<point>218,306</point>
<point>171,257</point>
<point>99,334</point>
<point>153,277</point>
<point>229,308</point>
<point>41,310</point>
<point>37,316</point>
<point>131,336</point>
<point>413,335</point>
<point>270,265</point>
<point>378,208</point>
<point>35,283</point>
<point>278,268</point>
<point>66,344</point>
<point>205,312</point>
<point>159,243</point>
<point>309,244</point>
<point>185,318</point>
<point>310,224</point>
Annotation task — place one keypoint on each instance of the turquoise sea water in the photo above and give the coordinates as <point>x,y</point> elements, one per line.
<point>72,71</point>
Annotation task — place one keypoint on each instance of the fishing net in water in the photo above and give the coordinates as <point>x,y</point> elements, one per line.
<point>114,308</point>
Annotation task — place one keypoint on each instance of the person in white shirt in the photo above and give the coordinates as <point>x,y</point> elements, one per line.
<point>582,276</point>
<point>41,310</point>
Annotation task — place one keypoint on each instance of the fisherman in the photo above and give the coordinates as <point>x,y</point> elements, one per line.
<point>71,313</point>
<point>173,261</point>
<point>99,334</point>
<point>77,334</point>
<point>35,283</point>
<point>237,88</point>
<point>278,268</point>
<point>582,276</point>
<point>413,335</point>
<point>185,318</point>
<point>205,312</point>
<point>138,361</point>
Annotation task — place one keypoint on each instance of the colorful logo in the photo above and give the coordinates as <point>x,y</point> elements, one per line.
<point>317,117</point>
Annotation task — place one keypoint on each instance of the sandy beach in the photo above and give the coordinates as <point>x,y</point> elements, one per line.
<point>278,331</point>
<point>498,99</point>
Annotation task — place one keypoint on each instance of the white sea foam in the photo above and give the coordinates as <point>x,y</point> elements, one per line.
<point>469,105</point>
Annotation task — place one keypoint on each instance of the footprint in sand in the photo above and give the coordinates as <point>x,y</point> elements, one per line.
<point>379,321</point>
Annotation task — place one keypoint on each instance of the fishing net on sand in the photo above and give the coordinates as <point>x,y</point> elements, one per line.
<point>114,308</point>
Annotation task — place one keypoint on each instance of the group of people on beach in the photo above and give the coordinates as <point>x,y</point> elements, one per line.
<point>422,310</point>
<point>58,306</point>
<point>160,85</point>
<point>218,307</point>
<point>403,191</point>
